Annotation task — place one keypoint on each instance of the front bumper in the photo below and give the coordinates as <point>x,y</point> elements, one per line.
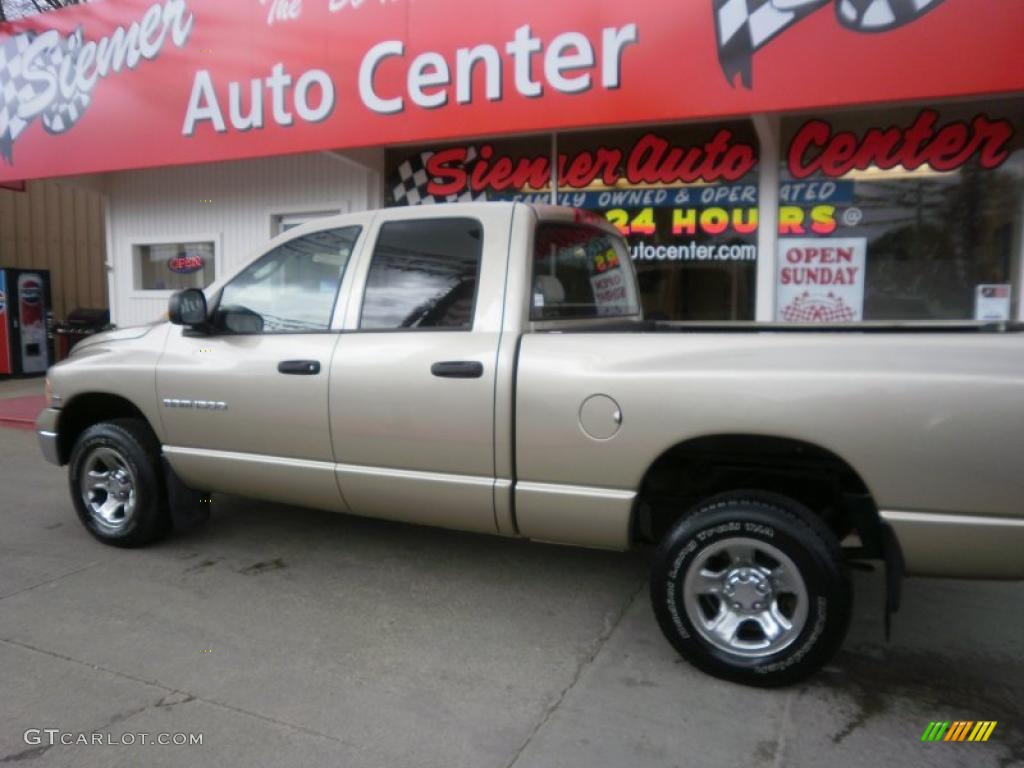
<point>46,432</point>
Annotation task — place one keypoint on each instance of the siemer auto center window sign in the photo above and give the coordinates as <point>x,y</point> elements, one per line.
<point>858,211</point>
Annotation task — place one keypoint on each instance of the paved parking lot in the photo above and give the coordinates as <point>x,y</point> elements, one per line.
<point>290,637</point>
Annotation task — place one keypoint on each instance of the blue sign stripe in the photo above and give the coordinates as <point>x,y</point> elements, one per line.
<point>717,195</point>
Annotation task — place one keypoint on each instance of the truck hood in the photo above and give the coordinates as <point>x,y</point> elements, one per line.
<point>117,334</point>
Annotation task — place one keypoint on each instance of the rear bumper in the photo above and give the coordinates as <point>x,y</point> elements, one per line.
<point>959,546</point>
<point>46,432</point>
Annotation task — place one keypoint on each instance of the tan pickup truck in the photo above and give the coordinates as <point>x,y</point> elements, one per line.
<point>486,367</point>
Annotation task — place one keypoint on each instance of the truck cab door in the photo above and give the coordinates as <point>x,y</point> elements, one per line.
<point>244,407</point>
<point>413,378</point>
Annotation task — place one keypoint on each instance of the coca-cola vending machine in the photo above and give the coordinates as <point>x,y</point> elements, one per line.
<point>24,312</point>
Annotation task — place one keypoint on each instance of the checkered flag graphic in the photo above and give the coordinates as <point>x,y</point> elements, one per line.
<point>880,15</point>
<point>60,114</point>
<point>744,26</point>
<point>65,110</point>
<point>818,309</point>
<point>13,89</point>
<point>410,183</point>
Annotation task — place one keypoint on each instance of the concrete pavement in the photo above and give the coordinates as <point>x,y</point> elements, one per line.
<point>295,637</point>
<point>21,387</point>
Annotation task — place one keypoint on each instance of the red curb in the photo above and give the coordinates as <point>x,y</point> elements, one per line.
<point>21,412</point>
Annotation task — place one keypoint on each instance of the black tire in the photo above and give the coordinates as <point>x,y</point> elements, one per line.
<point>720,526</point>
<point>137,449</point>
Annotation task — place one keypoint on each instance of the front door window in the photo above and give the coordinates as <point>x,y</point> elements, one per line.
<point>291,289</point>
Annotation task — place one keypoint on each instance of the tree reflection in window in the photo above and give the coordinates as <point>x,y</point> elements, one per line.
<point>424,275</point>
<point>292,288</point>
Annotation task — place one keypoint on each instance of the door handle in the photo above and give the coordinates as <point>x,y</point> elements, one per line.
<point>458,369</point>
<point>299,367</point>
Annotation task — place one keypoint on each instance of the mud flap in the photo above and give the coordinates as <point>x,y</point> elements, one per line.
<point>894,570</point>
<point>878,540</point>
<point>189,509</point>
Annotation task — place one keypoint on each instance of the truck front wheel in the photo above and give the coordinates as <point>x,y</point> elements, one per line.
<point>751,587</point>
<point>116,485</point>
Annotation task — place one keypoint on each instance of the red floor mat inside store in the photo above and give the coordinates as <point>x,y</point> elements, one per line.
<point>21,412</point>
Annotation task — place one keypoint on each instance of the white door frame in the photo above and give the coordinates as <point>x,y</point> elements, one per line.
<point>769,135</point>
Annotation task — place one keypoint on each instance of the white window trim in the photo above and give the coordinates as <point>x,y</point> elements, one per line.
<point>1018,277</point>
<point>110,261</point>
<point>769,137</point>
<point>141,293</point>
<point>336,207</point>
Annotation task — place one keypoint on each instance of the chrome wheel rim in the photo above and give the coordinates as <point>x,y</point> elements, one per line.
<point>108,488</point>
<point>745,597</point>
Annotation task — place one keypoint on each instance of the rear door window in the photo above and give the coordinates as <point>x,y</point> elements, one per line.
<point>423,276</point>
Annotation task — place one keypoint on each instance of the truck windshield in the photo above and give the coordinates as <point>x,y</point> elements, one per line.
<point>581,271</point>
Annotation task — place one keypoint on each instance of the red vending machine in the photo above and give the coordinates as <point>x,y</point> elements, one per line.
<point>24,310</point>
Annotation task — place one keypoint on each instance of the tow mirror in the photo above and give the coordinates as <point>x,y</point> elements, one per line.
<point>187,307</point>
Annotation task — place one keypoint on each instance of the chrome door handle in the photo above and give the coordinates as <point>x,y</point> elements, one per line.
<point>299,367</point>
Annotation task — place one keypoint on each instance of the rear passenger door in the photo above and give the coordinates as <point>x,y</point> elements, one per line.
<point>412,381</point>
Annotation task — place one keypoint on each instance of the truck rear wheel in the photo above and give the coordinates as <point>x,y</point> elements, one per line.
<point>116,485</point>
<point>751,587</point>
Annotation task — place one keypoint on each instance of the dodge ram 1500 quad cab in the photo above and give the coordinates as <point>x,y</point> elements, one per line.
<point>486,367</point>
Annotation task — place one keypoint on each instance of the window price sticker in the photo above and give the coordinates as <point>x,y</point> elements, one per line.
<point>992,302</point>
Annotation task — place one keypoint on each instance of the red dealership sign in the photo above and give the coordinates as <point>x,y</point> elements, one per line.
<point>138,83</point>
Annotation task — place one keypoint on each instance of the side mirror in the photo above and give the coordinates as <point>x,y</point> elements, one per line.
<point>187,307</point>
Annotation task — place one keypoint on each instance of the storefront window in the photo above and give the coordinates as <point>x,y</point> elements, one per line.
<point>910,214</point>
<point>173,266</point>
<point>686,199</point>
